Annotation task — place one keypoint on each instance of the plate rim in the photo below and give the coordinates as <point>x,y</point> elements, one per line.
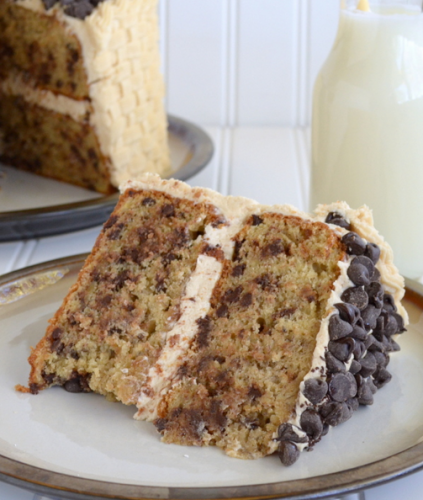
<point>65,218</point>
<point>71,487</point>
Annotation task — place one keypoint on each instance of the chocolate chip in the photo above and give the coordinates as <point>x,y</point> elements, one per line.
<point>394,345</point>
<point>246,300</point>
<point>368,341</point>
<point>400,322</point>
<point>368,365</point>
<point>359,333</point>
<point>337,220</point>
<point>364,393</point>
<point>57,346</point>
<point>222,311</point>
<point>315,390</point>
<point>352,404</point>
<point>355,245</point>
<point>389,303</point>
<point>148,202</point>
<point>370,315</point>
<point>356,296</point>
<point>57,333</point>
<point>273,249</point>
<point>376,345</point>
<point>355,367</point>
<point>168,210</point>
<point>381,377</point>
<point>238,270</point>
<point>348,312</point>
<point>288,453</point>
<point>79,9</point>
<point>256,220</point>
<point>48,4</point>
<point>382,359</point>
<point>376,275</point>
<point>232,295</point>
<point>342,386</point>
<point>73,385</point>
<point>286,432</point>
<point>387,324</point>
<point>366,262</point>
<point>312,424</point>
<point>375,294</point>
<point>335,413</point>
<point>359,350</point>
<point>334,365</point>
<point>372,252</point>
<point>359,273</point>
<point>338,328</point>
<point>342,349</point>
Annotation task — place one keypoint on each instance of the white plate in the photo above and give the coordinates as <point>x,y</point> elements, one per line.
<point>87,438</point>
<point>32,206</point>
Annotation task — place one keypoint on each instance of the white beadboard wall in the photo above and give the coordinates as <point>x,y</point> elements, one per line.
<point>235,63</point>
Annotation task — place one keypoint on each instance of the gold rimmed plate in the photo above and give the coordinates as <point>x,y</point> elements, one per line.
<point>32,206</point>
<point>82,447</point>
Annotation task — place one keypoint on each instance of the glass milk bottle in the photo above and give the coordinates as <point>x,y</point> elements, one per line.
<point>367,126</point>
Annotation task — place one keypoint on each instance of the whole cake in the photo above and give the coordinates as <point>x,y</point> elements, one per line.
<point>80,90</point>
<point>250,327</point>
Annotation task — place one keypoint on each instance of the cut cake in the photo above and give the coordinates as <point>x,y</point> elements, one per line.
<point>81,91</point>
<point>250,327</point>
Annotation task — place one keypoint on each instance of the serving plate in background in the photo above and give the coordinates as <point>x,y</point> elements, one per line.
<point>32,206</point>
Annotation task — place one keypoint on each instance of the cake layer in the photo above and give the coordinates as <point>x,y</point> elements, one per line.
<point>41,47</point>
<point>44,142</point>
<point>114,324</point>
<point>241,379</point>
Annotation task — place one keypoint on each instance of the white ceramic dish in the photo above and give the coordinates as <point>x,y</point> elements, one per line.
<point>88,447</point>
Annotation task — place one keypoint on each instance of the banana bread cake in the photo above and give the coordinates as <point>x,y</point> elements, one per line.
<point>250,327</point>
<point>81,91</point>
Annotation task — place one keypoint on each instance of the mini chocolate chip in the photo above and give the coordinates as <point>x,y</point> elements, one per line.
<point>364,393</point>
<point>288,453</point>
<point>222,311</point>
<point>73,385</point>
<point>348,312</point>
<point>232,295</point>
<point>338,328</point>
<point>312,424</point>
<point>366,262</point>
<point>355,245</point>
<point>57,333</point>
<point>382,359</point>
<point>148,202</point>
<point>256,220</point>
<point>400,322</point>
<point>286,432</point>
<point>335,413</point>
<point>358,273</point>
<point>359,350</point>
<point>394,345</point>
<point>238,270</point>
<point>352,403</point>
<point>334,365</point>
<point>342,349</point>
<point>168,210</point>
<point>325,429</point>
<point>370,316</point>
<point>246,300</point>
<point>57,346</point>
<point>372,386</point>
<point>80,9</point>
<point>389,303</point>
<point>342,386</point>
<point>376,345</point>
<point>315,390</point>
<point>368,341</point>
<point>368,365</point>
<point>48,4</point>
<point>359,333</point>
<point>375,294</point>
<point>273,249</point>
<point>356,296</point>
<point>381,377</point>
<point>376,275</point>
<point>387,324</point>
<point>355,367</point>
<point>337,220</point>
<point>372,252</point>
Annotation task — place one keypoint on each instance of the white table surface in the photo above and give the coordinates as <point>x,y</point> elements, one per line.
<point>269,164</point>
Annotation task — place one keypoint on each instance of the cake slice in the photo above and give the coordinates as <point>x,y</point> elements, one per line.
<point>81,91</point>
<point>250,327</point>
